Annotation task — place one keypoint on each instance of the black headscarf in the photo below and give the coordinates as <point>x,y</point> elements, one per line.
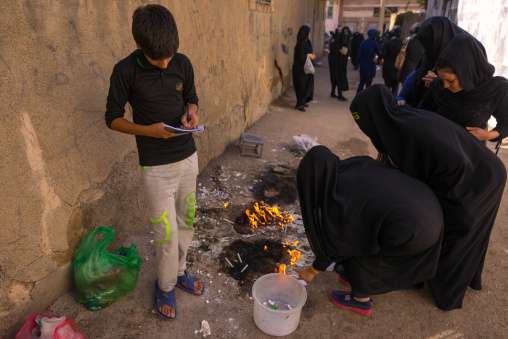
<point>345,36</point>
<point>383,226</point>
<point>435,33</point>
<point>303,33</point>
<point>396,31</point>
<point>467,178</point>
<point>483,95</point>
<point>415,28</point>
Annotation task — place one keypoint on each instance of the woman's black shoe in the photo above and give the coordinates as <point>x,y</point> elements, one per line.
<point>301,109</point>
<point>333,95</point>
<point>341,98</point>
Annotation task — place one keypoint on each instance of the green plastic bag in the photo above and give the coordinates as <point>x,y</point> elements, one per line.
<point>102,277</point>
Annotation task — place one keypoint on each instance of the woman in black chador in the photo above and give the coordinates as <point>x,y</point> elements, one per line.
<point>414,53</point>
<point>467,92</point>
<point>435,33</point>
<point>389,53</point>
<point>355,45</point>
<point>303,83</point>
<point>382,227</point>
<point>337,62</point>
<point>467,178</point>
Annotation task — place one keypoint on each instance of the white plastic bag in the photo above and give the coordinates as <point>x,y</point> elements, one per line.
<point>309,67</point>
<point>303,143</point>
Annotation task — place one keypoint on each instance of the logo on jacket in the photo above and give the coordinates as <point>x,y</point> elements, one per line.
<point>179,86</point>
<point>356,115</point>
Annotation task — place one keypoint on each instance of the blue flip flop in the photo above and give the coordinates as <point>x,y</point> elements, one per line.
<point>164,299</point>
<point>187,278</point>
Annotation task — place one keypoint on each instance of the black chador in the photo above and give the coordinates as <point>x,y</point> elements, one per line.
<point>467,178</point>
<point>337,62</point>
<point>303,83</point>
<point>381,225</point>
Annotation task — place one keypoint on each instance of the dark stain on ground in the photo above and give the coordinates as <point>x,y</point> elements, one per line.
<point>242,224</point>
<point>276,189</point>
<point>253,254</point>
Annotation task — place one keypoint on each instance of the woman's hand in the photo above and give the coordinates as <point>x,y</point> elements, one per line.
<point>429,78</point>
<point>482,134</point>
<point>307,274</point>
<point>312,56</point>
<point>400,102</point>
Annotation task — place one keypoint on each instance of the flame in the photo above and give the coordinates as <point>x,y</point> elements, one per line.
<point>292,244</point>
<point>295,256</point>
<point>265,248</point>
<point>226,204</point>
<point>282,269</point>
<point>266,215</point>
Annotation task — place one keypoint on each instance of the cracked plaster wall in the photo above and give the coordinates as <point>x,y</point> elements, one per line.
<point>64,172</point>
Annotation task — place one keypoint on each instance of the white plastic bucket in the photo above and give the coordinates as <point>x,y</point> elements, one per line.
<point>282,290</point>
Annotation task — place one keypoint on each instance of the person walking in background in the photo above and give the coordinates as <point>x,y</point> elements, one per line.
<point>158,83</point>
<point>466,91</point>
<point>467,178</point>
<point>302,82</point>
<point>355,45</point>
<point>389,52</point>
<point>337,63</point>
<point>382,228</point>
<point>366,60</point>
<point>414,53</point>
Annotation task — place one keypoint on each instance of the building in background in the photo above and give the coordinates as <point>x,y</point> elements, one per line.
<point>362,15</point>
<point>332,11</point>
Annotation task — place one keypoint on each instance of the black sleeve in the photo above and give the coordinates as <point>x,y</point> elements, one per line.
<point>427,102</point>
<point>501,115</point>
<point>384,50</point>
<point>117,97</point>
<point>189,89</point>
<point>321,264</point>
<point>300,53</point>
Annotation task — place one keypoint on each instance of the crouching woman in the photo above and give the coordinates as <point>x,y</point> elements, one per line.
<point>380,226</point>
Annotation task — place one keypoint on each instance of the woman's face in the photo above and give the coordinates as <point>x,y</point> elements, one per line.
<point>451,81</point>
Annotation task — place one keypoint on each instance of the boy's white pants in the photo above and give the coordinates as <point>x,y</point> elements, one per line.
<point>171,193</point>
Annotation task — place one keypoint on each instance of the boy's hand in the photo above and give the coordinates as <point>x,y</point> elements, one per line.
<point>194,120</point>
<point>158,131</point>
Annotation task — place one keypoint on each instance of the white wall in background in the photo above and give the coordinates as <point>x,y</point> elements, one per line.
<point>488,22</point>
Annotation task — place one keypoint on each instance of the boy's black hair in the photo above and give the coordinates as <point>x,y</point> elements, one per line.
<point>154,30</point>
<point>443,65</point>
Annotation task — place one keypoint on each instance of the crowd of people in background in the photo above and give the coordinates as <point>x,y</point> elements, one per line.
<point>431,141</point>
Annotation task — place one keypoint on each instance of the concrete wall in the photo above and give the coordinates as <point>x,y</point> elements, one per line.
<point>64,172</point>
<point>488,24</point>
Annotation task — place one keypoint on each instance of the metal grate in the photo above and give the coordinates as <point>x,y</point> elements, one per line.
<point>268,2</point>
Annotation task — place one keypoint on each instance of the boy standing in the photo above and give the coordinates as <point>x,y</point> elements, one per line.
<point>158,83</point>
